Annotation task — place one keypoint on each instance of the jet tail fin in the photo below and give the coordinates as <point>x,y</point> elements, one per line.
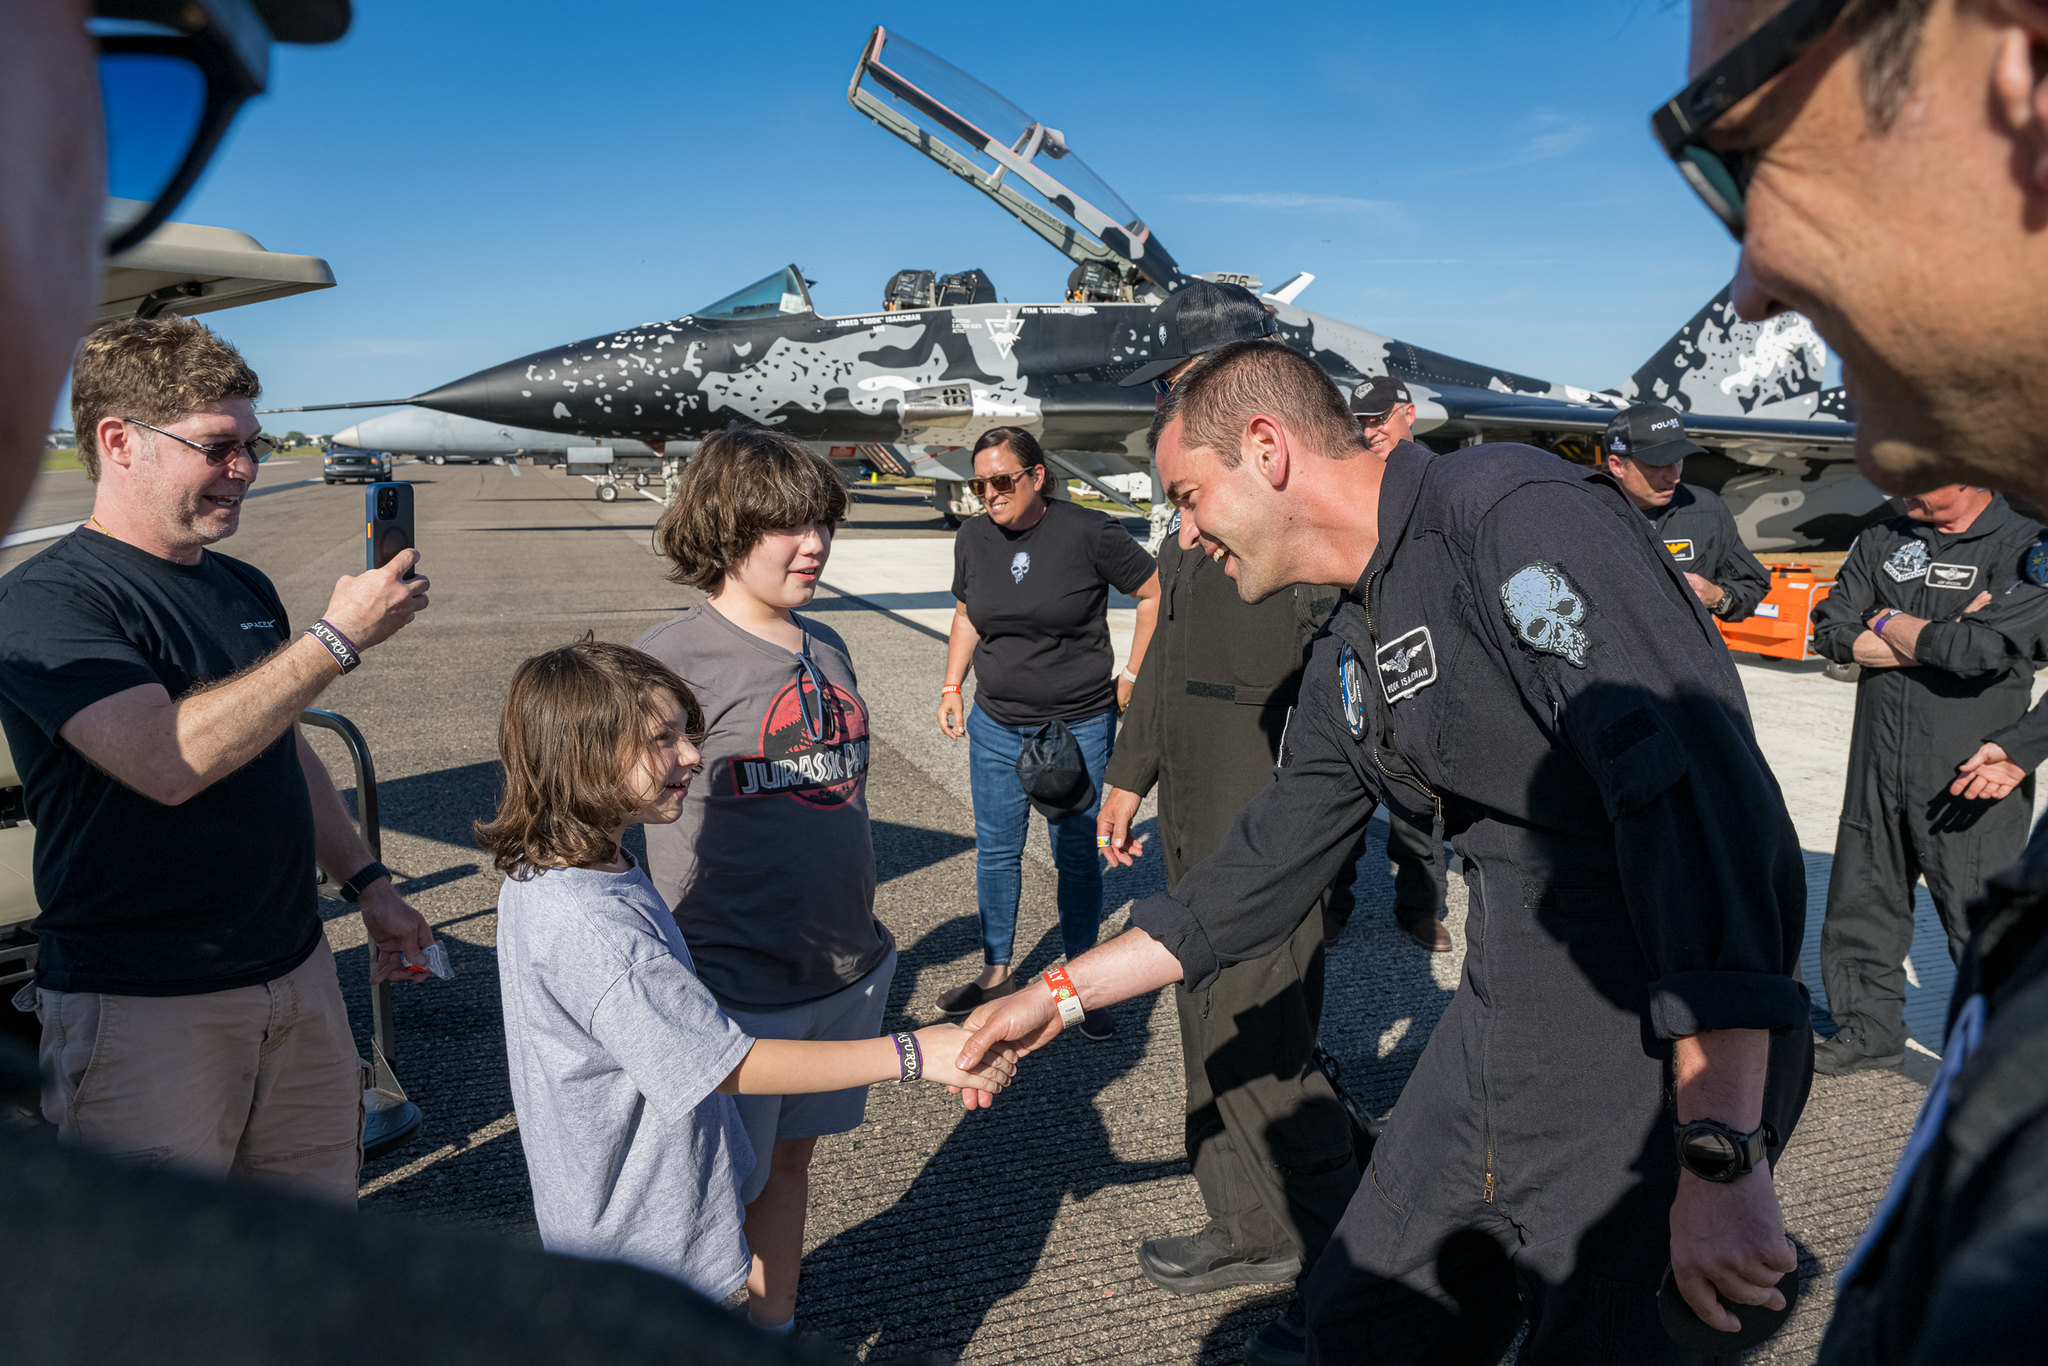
<point>1717,364</point>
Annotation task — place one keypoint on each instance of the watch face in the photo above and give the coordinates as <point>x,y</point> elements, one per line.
<point>1711,1155</point>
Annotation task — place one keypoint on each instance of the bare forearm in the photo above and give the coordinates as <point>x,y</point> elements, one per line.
<point>170,751</point>
<point>795,1067</point>
<point>960,643</point>
<point>1720,1076</point>
<point>1129,965</point>
<point>1876,651</point>
<point>1141,637</point>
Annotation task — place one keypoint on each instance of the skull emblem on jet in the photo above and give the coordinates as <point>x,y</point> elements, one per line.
<point>1545,609</point>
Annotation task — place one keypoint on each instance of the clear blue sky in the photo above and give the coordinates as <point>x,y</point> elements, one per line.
<point>487,180</point>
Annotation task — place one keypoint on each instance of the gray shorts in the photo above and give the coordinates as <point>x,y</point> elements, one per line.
<point>852,1012</point>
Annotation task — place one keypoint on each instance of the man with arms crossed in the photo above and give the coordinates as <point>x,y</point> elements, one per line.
<point>1884,165</point>
<point>150,690</point>
<point>1592,758</point>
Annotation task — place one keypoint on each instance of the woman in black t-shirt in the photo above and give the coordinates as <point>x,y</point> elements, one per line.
<point>1032,581</point>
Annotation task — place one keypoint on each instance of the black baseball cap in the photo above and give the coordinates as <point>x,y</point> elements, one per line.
<point>1199,317</point>
<point>1378,396</point>
<point>1649,434</point>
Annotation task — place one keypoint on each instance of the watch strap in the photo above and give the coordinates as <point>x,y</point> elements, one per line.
<point>355,886</point>
<point>1750,1148</point>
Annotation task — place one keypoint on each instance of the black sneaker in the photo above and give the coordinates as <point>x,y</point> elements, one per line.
<point>1839,1056</point>
<point>1207,1261</point>
<point>1282,1341</point>
<point>1098,1025</point>
<point>965,1000</point>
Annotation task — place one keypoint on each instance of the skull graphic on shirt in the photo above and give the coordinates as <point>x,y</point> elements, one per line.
<point>1020,565</point>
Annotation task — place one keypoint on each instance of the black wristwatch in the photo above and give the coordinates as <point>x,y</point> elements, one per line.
<point>1714,1152</point>
<point>357,885</point>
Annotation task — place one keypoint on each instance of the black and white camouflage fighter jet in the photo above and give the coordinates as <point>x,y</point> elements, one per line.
<point>909,387</point>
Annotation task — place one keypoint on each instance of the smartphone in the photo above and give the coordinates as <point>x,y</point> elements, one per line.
<point>388,512</point>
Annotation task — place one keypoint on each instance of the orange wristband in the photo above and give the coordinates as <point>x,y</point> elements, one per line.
<point>948,688</point>
<point>1064,996</point>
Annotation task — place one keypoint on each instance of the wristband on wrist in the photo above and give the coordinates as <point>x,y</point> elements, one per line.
<point>1882,620</point>
<point>352,890</point>
<point>344,650</point>
<point>1064,996</point>
<point>909,1061</point>
<point>948,689</point>
<point>1129,676</point>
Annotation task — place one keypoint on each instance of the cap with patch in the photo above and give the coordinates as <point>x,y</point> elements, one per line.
<point>1199,317</point>
<point>1649,434</point>
<point>1378,396</point>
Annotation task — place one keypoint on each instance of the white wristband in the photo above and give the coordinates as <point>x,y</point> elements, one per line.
<point>1129,676</point>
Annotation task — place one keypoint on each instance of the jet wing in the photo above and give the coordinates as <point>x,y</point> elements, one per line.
<point>1009,156</point>
<point>1522,414</point>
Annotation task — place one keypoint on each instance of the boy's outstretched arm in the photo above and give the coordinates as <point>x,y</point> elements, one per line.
<point>789,1067</point>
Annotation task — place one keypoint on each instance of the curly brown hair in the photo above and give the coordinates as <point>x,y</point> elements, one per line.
<point>155,370</point>
<point>575,725</point>
<point>743,483</point>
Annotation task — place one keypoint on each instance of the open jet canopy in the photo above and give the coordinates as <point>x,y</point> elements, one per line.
<point>1012,158</point>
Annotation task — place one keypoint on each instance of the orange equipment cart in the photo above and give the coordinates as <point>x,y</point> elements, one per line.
<point>1782,625</point>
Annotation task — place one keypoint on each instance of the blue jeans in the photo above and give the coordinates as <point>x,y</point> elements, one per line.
<point>1002,814</point>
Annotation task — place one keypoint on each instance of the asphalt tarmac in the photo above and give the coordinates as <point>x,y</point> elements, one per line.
<point>1005,1235</point>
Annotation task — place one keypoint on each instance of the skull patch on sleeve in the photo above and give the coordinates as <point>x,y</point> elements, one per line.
<point>1545,608</point>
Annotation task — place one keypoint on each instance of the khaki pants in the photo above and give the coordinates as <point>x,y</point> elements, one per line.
<point>261,1082</point>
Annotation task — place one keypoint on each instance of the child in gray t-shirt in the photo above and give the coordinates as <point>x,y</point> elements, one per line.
<point>622,1065</point>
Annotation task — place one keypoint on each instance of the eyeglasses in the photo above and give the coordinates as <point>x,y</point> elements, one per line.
<point>1162,385</point>
<point>1721,179</point>
<point>999,483</point>
<point>258,449</point>
<point>167,98</point>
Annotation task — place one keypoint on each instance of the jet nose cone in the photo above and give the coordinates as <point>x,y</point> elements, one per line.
<point>348,436</point>
<point>488,395</point>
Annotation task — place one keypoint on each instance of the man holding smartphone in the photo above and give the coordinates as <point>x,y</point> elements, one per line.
<point>150,689</point>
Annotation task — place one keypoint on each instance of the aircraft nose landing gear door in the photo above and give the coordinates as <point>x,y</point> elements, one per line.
<point>1013,159</point>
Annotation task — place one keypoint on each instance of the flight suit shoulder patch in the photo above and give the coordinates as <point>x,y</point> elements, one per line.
<point>1545,607</point>
<point>1351,689</point>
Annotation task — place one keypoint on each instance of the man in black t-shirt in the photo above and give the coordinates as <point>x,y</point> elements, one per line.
<point>150,690</point>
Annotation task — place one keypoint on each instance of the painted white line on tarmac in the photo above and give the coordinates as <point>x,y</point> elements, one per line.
<point>35,535</point>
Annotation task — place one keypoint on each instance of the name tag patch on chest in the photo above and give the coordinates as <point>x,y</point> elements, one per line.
<point>1351,688</point>
<point>1407,664</point>
<point>1951,575</point>
<point>1681,551</point>
<point>1907,563</point>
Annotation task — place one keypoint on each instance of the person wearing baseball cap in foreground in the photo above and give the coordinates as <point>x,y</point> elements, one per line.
<point>1884,165</point>
<point>1646,448</point>
<point>1628,1049</point>
<point>1269,1143</point>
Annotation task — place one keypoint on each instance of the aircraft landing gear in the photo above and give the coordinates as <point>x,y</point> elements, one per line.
<point>640,480</point>
<point>607,492</point>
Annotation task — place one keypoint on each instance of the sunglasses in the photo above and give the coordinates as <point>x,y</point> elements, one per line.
<point>167,99</point>
<point>999,483</point>
<point>258,449</point>
<point>1721,179</point>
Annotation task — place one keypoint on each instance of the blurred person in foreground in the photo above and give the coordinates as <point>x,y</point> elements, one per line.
<point>210,1271</point>
<point>1884,165</point>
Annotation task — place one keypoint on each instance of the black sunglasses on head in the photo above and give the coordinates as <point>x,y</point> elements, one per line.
<point>172,77</point>
<point>1721,179</point>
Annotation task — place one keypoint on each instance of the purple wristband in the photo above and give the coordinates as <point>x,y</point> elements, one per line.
<point>1883,620</point>
<point>338,631</point>
<point>909,1059</point>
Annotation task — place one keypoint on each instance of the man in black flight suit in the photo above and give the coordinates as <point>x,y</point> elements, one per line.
<point>1386,418</point>
<point>1268,1142</point>
<point>1939,684</point>
<point>1646,448</point>
<point>1516,655</point>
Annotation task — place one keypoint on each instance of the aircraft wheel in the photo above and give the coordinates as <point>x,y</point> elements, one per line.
<point>440,459</point>
<point>607,493</point>
<point>640,480</point>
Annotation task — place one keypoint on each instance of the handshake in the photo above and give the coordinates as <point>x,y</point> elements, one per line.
<point>977,1060</point>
